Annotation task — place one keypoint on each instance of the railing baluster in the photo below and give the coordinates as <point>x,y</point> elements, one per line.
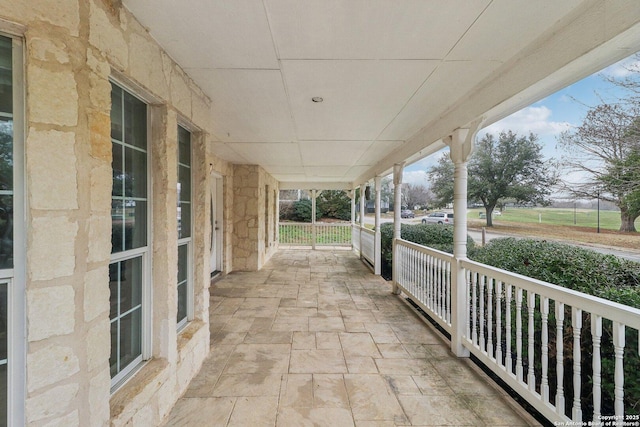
<point>474,305</point>
<point>448,292</point>
<point>489,282</point>
<point>531,376</point>
<point>544,382</point>
<point>559,358</point>
<point>508,334</point>
<point>429,289</point>
<point>576,323</point>
<point>437,291</point>
<point>596,334</point>
<point>519,334</point>
<point>443,290</point>
<point>467,279</point>
<point>481,284</point>
<point>618,345</point>
<point>499,323</point>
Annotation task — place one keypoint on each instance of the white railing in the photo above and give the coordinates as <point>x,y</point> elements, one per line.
<point>300,233</point>
<point>355,237</point>
<point>425,275</point>
<point>368,245</point>
<point>296,234</point>
<point>333,234</point>
<point>512,326</point>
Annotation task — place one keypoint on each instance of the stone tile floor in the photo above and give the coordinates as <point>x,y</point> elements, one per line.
<point>315,339</point>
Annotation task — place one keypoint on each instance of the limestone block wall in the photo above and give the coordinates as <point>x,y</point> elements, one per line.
<point>72,50</point>
<point>251,218</point>
<point>268,216</point>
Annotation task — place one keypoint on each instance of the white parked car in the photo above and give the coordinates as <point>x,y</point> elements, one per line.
<point>438,218</point>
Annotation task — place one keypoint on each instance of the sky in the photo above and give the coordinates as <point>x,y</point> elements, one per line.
<point>546,118</point>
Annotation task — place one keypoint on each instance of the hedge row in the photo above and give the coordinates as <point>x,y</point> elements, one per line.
<point>584,270</point>
<point>432,235</point>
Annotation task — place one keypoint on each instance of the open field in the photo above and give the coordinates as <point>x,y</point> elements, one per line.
<point>557,224</point>
<point>580,217</point>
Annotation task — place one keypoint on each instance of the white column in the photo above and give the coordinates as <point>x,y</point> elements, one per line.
<point>397,208</point>
<point>313,219</point>
<point>377,268</point>
<point>363,202</point>
<point>460,145</point>
<point>277,233</point>
<point>352,196</point>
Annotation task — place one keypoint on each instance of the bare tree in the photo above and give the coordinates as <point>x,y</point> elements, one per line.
<point>415,195</point>
<point>605,152</point>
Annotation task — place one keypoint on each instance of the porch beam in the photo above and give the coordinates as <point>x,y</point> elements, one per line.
<point>460,144</point>
<point>283,185</point>
<point>397,209</point>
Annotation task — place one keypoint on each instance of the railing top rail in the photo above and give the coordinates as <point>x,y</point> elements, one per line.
<point>608,309</point>
<point>366,230</point>
<point>424,249</point>
<point>337,224</point>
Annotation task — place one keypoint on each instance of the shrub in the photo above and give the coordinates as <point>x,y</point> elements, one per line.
<point>302,211</point>
<point>435,236</point>
<point>587,271</point>
<point>334,204</point>
<point>584,270</point>
<point>286,209</point>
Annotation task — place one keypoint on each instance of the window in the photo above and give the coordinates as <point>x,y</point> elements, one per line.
<point>12,249</point>
<point>266,218</point>
<point>185,288</point>
<point>128,269</point>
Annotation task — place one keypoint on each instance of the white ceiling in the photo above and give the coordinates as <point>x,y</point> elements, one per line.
<point>395,75</point>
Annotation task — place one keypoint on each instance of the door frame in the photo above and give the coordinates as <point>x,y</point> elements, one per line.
<point>216,213</point>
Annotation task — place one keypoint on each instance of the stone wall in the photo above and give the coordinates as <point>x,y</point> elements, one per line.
<point>252,219</point>
<point>72,49</point>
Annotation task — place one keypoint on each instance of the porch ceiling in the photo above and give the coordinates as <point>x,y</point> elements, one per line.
<point>395,76</point>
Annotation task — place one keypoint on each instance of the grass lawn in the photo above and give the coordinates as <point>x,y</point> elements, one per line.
<point>557,224</point>
<point>609,220</point>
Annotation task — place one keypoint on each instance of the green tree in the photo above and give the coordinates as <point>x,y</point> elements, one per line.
<point>507,167</point>
<point>334,204</point>
<point>605,151</point>
<point>441,178</point>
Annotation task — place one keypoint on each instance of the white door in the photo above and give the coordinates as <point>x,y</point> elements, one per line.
<point>215,262</point>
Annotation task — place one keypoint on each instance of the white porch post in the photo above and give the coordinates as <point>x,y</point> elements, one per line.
<point>313,219</point>
<point>397,208</point>
<point>277,219</point>
<point>460,145</point>
<point>363,202</point>
<point>352,195</point>
<point>377,268</point>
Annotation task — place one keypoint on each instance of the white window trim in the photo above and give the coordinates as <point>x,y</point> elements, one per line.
<point>147,252</point>
<point>16,374</point>
<point>16,276</point>
<point>188,240</point>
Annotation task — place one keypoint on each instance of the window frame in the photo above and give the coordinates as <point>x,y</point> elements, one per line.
<point>146,252</point>
<point>16,293</point>
<point>180,325</point>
